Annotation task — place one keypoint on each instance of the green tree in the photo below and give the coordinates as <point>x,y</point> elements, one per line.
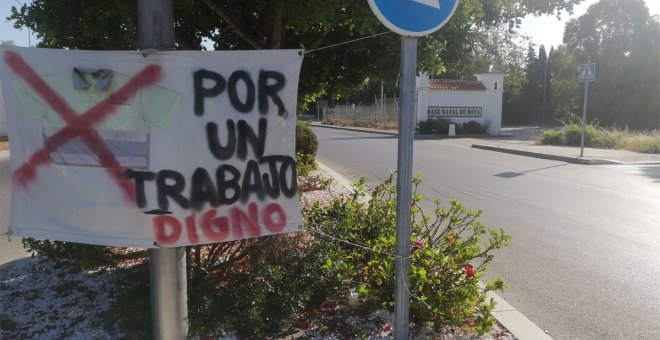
<point>623,40</point>
<point>236,24</point>
<point>564,104</point>
<point>536,82</point>
<point>504,48</point>
<point>542,69</point>
<point>490,45</point>
<point>514,103</point>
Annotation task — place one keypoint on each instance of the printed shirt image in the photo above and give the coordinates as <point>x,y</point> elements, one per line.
<point>125,131</point>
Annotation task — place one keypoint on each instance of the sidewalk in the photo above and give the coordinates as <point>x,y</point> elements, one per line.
<point>517,142</point>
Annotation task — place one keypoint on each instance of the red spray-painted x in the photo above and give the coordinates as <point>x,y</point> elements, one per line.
<point>79,125</point>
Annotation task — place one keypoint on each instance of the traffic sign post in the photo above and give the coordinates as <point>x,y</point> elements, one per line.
<point>320,104</point>
<point>586,74</point>
<point>404,186</point>
<point>410,19</point>
<point>167,266</point>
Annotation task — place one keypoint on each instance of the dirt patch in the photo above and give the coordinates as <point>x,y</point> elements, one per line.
<point>7,324</point>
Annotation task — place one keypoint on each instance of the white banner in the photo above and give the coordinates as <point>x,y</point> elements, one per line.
<point>168,149</point>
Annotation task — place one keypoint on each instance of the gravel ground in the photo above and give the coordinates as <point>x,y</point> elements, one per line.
<point>43,300</point>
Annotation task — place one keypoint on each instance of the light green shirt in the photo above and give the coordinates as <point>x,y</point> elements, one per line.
<point>151,108</point>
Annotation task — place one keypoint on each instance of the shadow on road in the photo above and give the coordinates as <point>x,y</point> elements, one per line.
<point>512,174</point>
<point>652,172</point>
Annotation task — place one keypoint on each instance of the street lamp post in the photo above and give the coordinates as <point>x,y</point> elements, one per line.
<point>28,29</point>
<point>545,84</point>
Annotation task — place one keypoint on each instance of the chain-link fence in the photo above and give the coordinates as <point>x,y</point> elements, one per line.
<point>383,114</point>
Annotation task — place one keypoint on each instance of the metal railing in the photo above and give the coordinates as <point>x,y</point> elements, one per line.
<point>383,114</point>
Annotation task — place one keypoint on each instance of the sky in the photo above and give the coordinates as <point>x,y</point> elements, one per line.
<point>546,30</point>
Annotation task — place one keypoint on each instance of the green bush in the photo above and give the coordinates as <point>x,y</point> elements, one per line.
<point>306,146</point>
<point>433,126</point>
<point>472,128</point>
<point>551,137</point>
<point>251,288</point>
<point>573,134</point>
<point>644,142</point>
<point>608,139</point>
<point>305,164</point>
<point>651,146</point>
<point>448,256</point>
<point>275,278</point>
<point>306,141</point>
<point>286,276</point>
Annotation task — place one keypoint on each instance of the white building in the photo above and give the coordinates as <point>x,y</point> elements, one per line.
<point>461,101</point>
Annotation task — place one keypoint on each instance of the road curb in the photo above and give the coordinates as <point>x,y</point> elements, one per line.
<point>514,321</point>
<point>573,160</point>
<point>336,176</point>
<point>350,128</point>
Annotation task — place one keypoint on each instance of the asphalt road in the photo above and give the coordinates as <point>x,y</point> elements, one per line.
<point>585,256</point>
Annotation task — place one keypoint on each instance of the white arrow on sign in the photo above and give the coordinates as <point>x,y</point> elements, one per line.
<point>430,3</point>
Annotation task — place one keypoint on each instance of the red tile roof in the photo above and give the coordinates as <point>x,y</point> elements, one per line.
<point>456,85</point>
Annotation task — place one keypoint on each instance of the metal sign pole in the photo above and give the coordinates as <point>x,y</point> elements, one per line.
<point>411,19</point>
<point>584,117</point>
<point>404,185</point>
<point>167,266</point>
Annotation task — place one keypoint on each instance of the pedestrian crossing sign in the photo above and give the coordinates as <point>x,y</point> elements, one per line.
<point>586,72</point>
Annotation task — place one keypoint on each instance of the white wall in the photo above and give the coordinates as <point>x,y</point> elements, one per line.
<point>490,102</point>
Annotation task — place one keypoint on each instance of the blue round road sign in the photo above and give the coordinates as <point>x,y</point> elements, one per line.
<point>413,17</point>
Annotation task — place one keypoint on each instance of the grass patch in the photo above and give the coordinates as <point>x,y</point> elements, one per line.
<point>642,143</point>
<point>597,137</point>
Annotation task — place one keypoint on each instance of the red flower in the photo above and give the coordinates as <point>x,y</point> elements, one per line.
<point>420,244</point>
<point>452,241</point>
<point>469,270</point>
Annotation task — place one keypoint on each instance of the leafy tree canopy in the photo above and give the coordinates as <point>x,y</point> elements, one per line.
<point>623,39</point>
<point>263,24</point>
<point>565,102</point>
